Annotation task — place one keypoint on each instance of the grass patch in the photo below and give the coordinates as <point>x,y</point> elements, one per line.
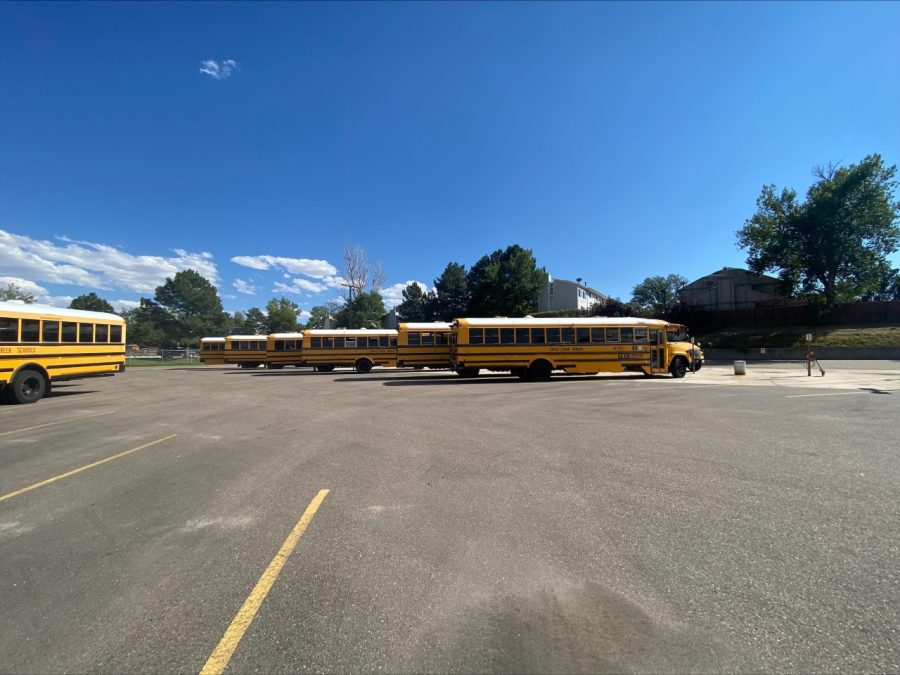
<point>823,336</point>
<point>150,363</point>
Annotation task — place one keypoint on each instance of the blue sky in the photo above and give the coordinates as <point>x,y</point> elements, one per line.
<point>617,141</point>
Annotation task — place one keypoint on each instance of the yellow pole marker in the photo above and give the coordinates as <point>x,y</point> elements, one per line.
<point>63,421</point>
<point>220,657</point>
<point>82,468</point>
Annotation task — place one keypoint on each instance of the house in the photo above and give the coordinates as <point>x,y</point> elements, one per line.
<point>731,288</point>
<point>561,294</point>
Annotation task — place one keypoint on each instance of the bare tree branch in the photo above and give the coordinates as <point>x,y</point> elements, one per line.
<point>379,275</point>
<point>356,267</point>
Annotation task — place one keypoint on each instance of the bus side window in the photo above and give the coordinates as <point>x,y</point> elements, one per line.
<point>640,334</point>
<point>373,342</point>
<point>383,340</point>
<point>9,330</point>
<point>440,338</point>
<point>85,332</point>
<point>654,337</point>
<point>412,338</point>
<point>115,335</point>
<point>31,330</point>
<point>393,340</point>
<point>627,335</point>
<point>584,335</point>
<point>491,336</point>
<point>568,335</point>
<point>339,343</point>
<point>476,336</point>
<point>597,335</point>
<point>538,336</point>
<point>553,335</point>
<point>349,343</point>
<point>50,332</point>
<point>612,334</point>
<point>315,342</point>
<point>507,335</point>
<point>328,343</point>
<point>427,339</point>
<point>102,332</point>
<point>69,331</point>
<point>522,337</point>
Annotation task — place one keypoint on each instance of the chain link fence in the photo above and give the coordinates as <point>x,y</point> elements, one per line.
<point>152,356</point>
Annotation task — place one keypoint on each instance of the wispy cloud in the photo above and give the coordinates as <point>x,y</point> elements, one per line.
<point>94,265</point>
<point>299,286</point>
<point>317,269</point>
<point>217,70</point>
<point>245,287</point>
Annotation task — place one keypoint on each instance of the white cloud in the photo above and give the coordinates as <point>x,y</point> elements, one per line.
<point>41,294</point>
<point>299,286</point>
<point>123,305</point>
<point>245,287</point>
<point>216,70</point>
<point>95,266</point>
<point>317,269</point>
<point>304,315</point>
<point>393,295</point>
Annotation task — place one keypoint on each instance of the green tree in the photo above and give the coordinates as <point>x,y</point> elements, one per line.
<point>318,315</point>
<point>505,283</point>
<point>415,304</point>
<point>14,292</point>
<point>365,310</point>
<point>281,316</point>
<point>193,307</point>
<point>835,242</point>
<point>255,322</point>
<point>91,302</point>
<point>451,293</point>
<point>149,324</point>
<point>657,295</point>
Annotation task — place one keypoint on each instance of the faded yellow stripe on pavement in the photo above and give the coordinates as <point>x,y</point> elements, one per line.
<point>82,468</point>
<point>63,421</point>
<point>218,661</point>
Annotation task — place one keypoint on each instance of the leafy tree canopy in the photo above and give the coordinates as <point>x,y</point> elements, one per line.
<point>451,291</point>
<point>193,306</point>
<point>365,310</point>
<point>318,315</point>
<point>837,240</point>
<point>415,305</point>
<point>505,283</point>
<point>281,316</point>
<point>91,302</point>
<point>14,292</point>
<point>657,295</point>
<point>255,322</point>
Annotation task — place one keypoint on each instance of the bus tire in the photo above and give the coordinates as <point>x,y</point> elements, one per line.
<point>363,366</point>
<point>521,373</point>
<point>540,370</point>
<point>28,386</point>
<point>678,367</point>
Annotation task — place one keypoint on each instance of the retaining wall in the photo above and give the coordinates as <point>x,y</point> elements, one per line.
<point>799,354</point>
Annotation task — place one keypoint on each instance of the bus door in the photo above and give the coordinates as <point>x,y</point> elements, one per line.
<point>657,352</point>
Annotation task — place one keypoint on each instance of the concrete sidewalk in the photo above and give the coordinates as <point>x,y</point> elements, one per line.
<point>845,375</point>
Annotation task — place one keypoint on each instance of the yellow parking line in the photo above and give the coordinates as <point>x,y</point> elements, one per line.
<point>62,421</point>
<point>218,660</point>
<point>82,468</point>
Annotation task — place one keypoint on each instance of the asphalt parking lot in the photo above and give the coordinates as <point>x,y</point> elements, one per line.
<point>586,524</point>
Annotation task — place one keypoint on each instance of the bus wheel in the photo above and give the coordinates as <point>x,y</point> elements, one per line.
<point>678,367</point>
<point>540,371</point>
<point>363,366</point>
<point>521,373</point>
<point>28,386</point>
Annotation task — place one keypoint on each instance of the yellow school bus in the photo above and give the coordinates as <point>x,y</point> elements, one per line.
<point>212,350</point>
<point>40,345</point>
<point>247,351</point>
<point>284,349</point>
<point>423,345</point>
<point>359,348</point>
<point>534,348</point>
